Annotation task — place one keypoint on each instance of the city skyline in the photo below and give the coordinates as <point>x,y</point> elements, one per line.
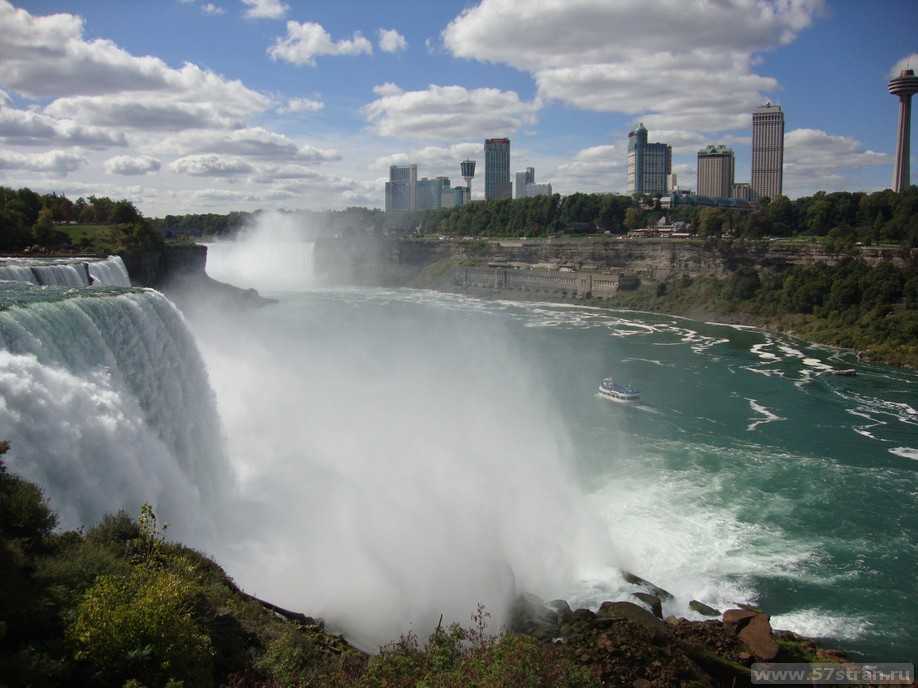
<point>193,106</point>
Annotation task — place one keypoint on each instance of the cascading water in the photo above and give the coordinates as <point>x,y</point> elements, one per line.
<point>106,403</point>
<point>110,272</point>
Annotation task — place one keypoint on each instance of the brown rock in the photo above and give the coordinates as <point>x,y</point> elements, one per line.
<point>651,601</point>
<point>757,637</point>
<point>738,617</point>
<point>641,683</point>
<point>703,609</point>
<point>655,589</point>
<point>633,613</point>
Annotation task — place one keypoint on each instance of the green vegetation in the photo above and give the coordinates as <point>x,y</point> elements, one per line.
<point>850,304</point>
<point>30,222</point>
<point>121,606</point>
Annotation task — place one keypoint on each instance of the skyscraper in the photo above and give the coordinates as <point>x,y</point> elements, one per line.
<point>429,192</point>
<point>768,151</point>
<point>649,164</point>
<point>905,86</point>
<point>401,187</point>
<point>523,179</point>
<point>497,169</point>
<point>715,172</point>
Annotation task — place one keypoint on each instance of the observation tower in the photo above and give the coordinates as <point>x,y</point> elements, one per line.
<point>905,86</point>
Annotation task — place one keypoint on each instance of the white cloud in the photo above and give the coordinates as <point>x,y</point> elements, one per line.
<point>434,160</point>
<point>56,162</point>
<point>817,161</point>
<point>907,62</point>
<point>595,169</point>
<point>212,9</point>
<point>211,165</point>
<point>684,64</point>
<point>129,165</point>
<point>391,41</point>
<point>150,112</point>
<point>265,9</point>
<point>447,112</point>
<point>304,42</point>
<point>255,142</point>
<point>28,127</point>
<point>302,105</point>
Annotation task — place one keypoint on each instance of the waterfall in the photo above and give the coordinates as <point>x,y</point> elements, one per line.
<point>106,403</point>
<point>62,274</point>
<point>17,273</point>
<point>110,272</point>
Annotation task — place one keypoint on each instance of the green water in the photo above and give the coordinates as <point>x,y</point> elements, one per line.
<point>746,473</point>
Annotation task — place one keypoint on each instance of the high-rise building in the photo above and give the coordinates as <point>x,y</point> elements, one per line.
<point>497,169</point>
<point>767,151</point>
<point>905,86</point>
<point>429,191</point>
<point>742,191</point>
<point>456,197</point>
<point>715,172</point>
<point>649,164</point>
<point>523,179</point>
<point>400,189</point>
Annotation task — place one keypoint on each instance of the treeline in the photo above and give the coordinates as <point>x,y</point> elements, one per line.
<point>311,223</point>
<point>884,216</point>
<point>29,219</point>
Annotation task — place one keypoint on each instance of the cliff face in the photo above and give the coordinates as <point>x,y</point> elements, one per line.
<point>156,268</point>
<point>377,261</point>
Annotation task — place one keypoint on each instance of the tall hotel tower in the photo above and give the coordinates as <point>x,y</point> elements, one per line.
<point>767,151</point>
<point>715,172</point>
<point>905,85</point>
<point>401,189</point>
<point>497,169</point>
<point>649,164</point>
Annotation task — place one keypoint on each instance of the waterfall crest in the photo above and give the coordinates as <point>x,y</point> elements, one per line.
<point>109,272</point>
<point>106,402</point>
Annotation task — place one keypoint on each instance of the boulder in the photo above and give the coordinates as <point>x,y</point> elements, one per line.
<point>757,637</point>
<point>530,616</point>
<point>633,613</point>
<point>562,609</point>
<point>703,609</point>
<point>651,601</point>
<point>738,617</point>
<point>655,589</point>
<point>583,615</point>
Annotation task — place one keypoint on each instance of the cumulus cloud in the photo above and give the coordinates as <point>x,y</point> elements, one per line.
<point>129,165</point>
<point>447,112</point>
<point>304,42</point>
<point>254,142</point>
<point>391,41</point>
<point>684,64</point>
<point>212,9</point>
<point>98,83</point>
<point>596,169</point>
<point>265,9</point>
<point>211,165</point>
<point>815,160</point>
<point>301,105</point>
<point>28,128</point>
<point>435,160</point>
<point>55,162</point>
<point>907,62</point>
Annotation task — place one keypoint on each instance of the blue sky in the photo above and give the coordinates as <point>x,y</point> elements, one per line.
<point>184,105</point>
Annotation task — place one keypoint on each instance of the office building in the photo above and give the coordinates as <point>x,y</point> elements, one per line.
<point>400,189</point>
<point>523,179</point>
<point>767,151</point>
<point>649,164</point>
<point>429,191</point>
<point>905,86</point>
<point>497,169</point>
<point>455,197</point>
<point>715,172</point>
<point>741,191</point>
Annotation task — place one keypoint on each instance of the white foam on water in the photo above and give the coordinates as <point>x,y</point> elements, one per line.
<point>819,623</point>
<point>905,452</point>
<point>767,415</point>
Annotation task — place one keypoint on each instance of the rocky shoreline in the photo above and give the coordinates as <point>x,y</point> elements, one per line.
<point>631,643</point>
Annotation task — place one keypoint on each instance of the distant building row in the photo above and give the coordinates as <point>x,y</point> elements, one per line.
<point>404,191</point>
<point>650,164</point>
